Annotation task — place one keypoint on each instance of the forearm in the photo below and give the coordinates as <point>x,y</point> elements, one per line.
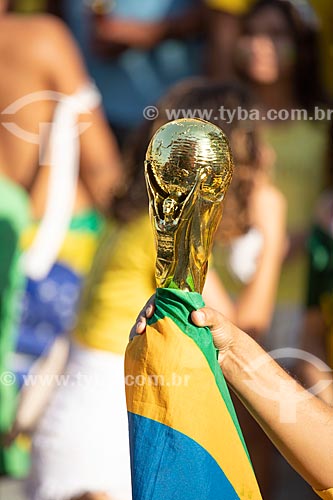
<point>101,166</point>
<point>39,386</point>
<point>299,425</point>
<point>313,341</point>
<point>310,375</point>
<point>254,307</point>
<point>256,302</point>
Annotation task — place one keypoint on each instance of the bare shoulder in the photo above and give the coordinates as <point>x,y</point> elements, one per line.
<point>267,196</point>
<point>46,26</point>
<point>49,34</point>
<point>35,29</point>
<point>54,50</point>
<point>35,39</point>
<point>269,210</point>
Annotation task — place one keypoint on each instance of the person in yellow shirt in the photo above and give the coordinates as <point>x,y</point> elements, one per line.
<point>121,278</point>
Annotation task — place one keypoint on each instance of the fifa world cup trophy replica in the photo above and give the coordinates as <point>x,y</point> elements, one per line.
<point>185,440</point>
<point>188,171</point>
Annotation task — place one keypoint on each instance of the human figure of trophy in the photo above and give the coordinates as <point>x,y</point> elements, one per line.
<point>188,170</point>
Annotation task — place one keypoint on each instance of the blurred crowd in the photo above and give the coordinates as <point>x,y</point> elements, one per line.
<point>84,85</point>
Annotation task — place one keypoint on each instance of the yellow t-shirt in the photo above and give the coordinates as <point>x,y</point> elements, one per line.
<point>325,495</point>
<point>236,7</point>
<point>121,280</point>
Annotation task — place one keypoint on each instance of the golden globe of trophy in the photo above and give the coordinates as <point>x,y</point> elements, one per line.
<point>188,170</point>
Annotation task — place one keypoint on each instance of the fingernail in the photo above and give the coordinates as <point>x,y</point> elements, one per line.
<point>200,316</point>
<point>139,325</point>
<point>149,310</point>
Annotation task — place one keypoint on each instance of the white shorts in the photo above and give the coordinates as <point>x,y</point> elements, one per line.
<point>81,443</point>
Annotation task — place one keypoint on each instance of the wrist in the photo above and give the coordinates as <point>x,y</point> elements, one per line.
<point>235,361</point>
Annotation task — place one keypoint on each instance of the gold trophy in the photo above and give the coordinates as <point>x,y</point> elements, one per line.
<point>188,170</point>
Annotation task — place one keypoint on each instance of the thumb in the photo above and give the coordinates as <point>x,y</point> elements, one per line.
<point>208,317</point>
<point>222,330</point>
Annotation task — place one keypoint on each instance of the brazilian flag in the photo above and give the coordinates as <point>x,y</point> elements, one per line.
<point>185,440</point>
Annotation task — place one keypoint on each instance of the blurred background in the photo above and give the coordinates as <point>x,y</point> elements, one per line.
<point>84,84</point>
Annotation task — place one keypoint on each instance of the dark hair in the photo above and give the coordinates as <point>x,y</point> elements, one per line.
<point>195,96</point>
<point>304,28</point>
